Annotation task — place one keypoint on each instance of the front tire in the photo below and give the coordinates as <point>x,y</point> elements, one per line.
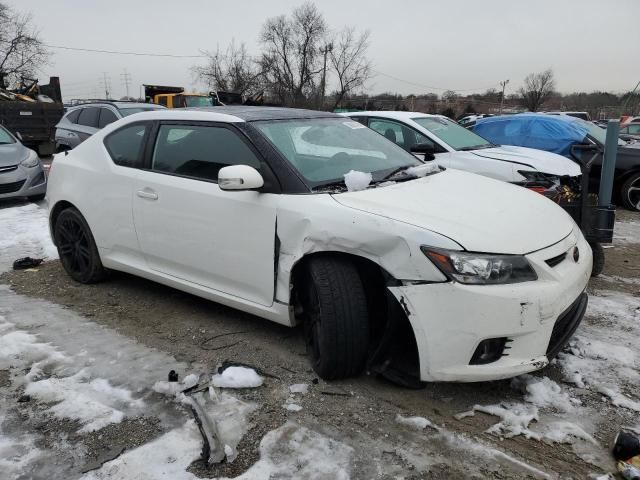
<point>631,192</point>
<point>336,319</point>
<point>76,247</point>
<point>598,258</point>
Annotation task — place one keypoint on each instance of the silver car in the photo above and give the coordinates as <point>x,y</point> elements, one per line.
<point>21,173</point>
<point>82,121</point>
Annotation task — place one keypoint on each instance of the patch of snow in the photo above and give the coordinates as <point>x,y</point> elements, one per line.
<point>292,407</point>
<point>237,377</point>
<point>619,279</point>
<point>302,388</point>
<point>544,392</point>
<point>618,399</point>
<point>423,170</point>
<point>25,233</point>
<point>626,232</point>
<point>356,181</point>
<point>174,388</point>
<point>93,402</point>
<point>514,419</point>
<point>289,452</point>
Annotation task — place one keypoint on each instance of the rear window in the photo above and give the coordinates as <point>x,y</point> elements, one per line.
<point>125,145</point>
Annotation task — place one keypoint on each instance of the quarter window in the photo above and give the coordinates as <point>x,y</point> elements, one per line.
<point>199,151</point>
<point>106,117</point>
<point>72,116</point>
<point>89,117</point>
<point>125,145</point>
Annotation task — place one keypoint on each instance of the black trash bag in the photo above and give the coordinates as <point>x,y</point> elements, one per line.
<point>27,262</point>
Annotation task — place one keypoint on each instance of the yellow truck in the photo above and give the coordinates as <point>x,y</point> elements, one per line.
<point>175,97</point>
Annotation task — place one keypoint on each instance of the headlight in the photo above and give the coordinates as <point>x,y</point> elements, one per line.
<point>481,269</point>
<point>31,161</point>
<point>533,176</point>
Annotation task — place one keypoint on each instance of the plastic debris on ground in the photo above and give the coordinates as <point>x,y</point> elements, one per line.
<point>237,377</point>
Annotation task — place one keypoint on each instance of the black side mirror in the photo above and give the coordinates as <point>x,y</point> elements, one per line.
<point>426,149</point>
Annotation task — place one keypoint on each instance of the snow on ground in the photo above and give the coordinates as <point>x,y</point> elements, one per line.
<point>604,354</point>
<point>289,452</point>
<point>626,232</point>
<point>24,232</point>
<point>419,423</point>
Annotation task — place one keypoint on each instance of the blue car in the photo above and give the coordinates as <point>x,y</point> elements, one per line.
<point>558,134</point>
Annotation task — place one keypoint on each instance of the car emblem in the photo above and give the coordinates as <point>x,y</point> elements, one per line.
<point>576,254</point>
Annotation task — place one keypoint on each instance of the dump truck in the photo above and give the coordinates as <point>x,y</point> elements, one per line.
<point>32,111</point>
<point>175,97</point>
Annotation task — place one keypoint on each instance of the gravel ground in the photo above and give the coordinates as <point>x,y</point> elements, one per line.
<point>361,412</point>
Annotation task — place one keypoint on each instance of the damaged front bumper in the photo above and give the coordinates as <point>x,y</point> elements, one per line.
<point>451,321</point>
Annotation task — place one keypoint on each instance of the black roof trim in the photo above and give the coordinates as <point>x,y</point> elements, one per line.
<point>250,114</point>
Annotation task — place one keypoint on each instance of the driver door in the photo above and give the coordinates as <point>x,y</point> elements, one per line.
<point>190,229</point>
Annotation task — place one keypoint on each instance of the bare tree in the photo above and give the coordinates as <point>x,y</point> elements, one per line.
<point>537,88</point>
<point>231,71</point>
<point>290,61</point>
<point>22,52</point>
<point>349,62</point>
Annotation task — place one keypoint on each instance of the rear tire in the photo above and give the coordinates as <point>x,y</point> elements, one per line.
<point>336,319</point>
<point>76,247</point>
<point>598,258</point>
<point>630,192</point>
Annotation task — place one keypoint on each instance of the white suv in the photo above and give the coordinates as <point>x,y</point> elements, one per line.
<point>437,273</point>
<point>456,147</point>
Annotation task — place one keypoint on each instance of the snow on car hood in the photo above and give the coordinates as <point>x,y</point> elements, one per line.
<point>542,161</point>
<point>479,213</point>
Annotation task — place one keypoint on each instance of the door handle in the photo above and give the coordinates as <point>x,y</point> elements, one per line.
<point>150,194</point>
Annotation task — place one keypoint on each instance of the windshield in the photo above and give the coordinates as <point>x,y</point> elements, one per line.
<point>598,133</point>
<point>324,149</point>
<point>5,137</point>
<point>198,101</point>
<point>454,135</point>
<point>131,110</point>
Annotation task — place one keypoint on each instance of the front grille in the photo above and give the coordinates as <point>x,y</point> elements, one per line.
<point>11,187</point>
<point>8,169</point>
<point>552,262</point>
<point>566,325</point>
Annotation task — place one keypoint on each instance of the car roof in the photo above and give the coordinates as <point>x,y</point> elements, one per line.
<point>398,115</point>
<point>250,114</point>
<point>115,103</point>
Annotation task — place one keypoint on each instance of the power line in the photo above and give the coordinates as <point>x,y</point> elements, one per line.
<point>428,86</point>
<point>116,52</point>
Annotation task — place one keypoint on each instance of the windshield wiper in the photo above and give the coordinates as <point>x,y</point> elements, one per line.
<point>393,173</point>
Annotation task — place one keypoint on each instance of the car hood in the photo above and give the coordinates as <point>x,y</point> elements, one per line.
<point>542,161</point>
<point>12,154</point>
<point>479,213</point>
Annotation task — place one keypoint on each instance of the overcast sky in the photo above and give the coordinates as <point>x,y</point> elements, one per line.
<point>429,46</point>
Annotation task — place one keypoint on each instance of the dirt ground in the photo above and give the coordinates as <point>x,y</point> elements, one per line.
<point>362,409</point>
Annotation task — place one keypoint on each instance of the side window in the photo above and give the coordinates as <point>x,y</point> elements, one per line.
<point>362,120</point>
<point>391,130</point>
<point>178,101</point>
<point>106,117</point>
<point>199,151</point>
<point>634,129</point>
<point>89,117</point>
<point>162,100</point>
<point>73,115</point>
<point>125,145</point>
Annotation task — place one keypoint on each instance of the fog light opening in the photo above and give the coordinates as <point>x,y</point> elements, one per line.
<point>489,350</point>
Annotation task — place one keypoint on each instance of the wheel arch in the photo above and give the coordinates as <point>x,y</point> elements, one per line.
<point>387,317</point>
<point>55,213</point>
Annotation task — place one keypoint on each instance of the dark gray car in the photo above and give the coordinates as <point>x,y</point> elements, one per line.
<point>82,121</point>
<point>21,173</point>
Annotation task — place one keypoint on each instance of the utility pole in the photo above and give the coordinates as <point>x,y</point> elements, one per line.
<point>503,84</point>
<point>126,79</point>
<point>106,84</point>
<point>324,51</point>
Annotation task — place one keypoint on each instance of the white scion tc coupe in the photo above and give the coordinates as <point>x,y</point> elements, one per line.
<point>423,274</point>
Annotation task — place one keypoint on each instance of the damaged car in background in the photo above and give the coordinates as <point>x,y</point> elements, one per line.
<point>391,265</point>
